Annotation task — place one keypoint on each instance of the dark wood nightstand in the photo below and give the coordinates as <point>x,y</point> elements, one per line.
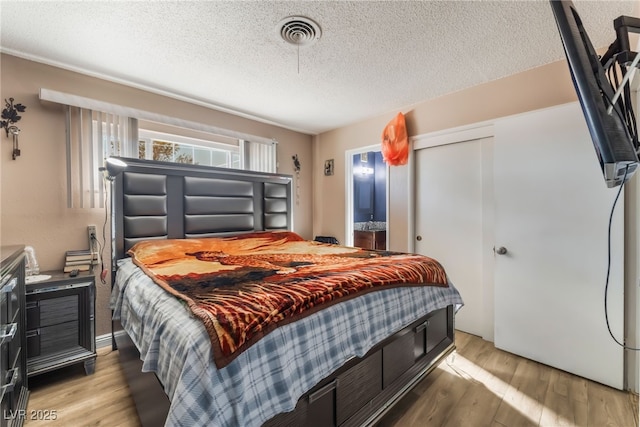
<point>61,322</point>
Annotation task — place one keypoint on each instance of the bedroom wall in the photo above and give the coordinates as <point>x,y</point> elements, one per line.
<point>33,208</point>
<point>534,89</point>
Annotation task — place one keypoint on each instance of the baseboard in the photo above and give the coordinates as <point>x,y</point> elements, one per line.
<point>105,340</point>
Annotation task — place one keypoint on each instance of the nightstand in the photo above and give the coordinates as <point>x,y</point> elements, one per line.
<point>61,322</point>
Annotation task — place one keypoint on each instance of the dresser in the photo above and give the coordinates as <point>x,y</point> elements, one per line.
<point>13,357</point>
<point>61,322</point>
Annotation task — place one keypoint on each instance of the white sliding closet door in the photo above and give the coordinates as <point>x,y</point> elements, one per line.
<point>448,222</point>
<point>551,214</point>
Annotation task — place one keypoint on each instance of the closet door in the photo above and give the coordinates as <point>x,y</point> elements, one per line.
<point>449,223</point>
<point>551,216</point>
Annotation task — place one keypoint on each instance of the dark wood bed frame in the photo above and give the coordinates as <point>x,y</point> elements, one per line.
<point>159,200</point>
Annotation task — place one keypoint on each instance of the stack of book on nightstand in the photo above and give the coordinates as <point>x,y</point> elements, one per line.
<point>78,260</point>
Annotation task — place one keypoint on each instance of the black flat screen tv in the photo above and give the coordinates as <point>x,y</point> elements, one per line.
<point>615,145</point>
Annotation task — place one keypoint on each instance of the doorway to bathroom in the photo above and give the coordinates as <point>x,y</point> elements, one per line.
<point>367,199</point>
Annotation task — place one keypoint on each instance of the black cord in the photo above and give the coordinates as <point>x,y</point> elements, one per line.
<point>630,122</point>
<point>606,286</point>
<point>104,233</point>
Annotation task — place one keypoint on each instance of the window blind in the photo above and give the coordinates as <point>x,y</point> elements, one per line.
<point>260,156</point>
<point>93,136</point>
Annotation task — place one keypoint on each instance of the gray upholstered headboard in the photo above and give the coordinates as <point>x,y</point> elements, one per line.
<point>161,200</point>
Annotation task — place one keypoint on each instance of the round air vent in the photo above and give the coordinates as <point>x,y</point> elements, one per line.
<point>299,31</point>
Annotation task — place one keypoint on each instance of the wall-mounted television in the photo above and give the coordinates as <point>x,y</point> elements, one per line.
<point>596,80</point>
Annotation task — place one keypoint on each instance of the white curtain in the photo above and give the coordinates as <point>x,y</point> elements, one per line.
<point>260,156</point>
<point>93,136</point>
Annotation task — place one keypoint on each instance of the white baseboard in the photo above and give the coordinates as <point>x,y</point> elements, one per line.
<point>105,340</point>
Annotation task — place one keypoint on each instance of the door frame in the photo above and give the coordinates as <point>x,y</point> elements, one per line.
<point>348,185</point>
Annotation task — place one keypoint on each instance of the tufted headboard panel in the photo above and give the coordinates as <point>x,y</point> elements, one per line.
<point>161,200</point>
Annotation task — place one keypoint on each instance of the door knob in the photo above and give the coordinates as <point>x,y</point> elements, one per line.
<point>501,250</point>
<point>418,238</point>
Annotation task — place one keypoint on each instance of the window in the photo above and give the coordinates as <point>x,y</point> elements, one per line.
<point>93,136</point>
<point>158,141</point>
<point>168,147</point>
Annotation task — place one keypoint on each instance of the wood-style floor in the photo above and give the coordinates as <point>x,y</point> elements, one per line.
<point>476,386</point>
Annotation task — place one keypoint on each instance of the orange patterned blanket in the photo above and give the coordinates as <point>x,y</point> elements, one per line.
<point>243,287</point>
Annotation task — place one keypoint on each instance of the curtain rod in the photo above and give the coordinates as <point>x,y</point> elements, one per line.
<point>121,110</point>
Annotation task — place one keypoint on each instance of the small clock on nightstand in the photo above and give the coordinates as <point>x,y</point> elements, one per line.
<point>61,322</point>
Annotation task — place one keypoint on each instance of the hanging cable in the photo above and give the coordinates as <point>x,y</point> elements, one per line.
<point>606,286</point>
<point>102,245</point>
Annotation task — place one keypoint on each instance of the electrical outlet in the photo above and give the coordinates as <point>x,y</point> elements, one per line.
<point>91,231</point>
<point>93,243</point>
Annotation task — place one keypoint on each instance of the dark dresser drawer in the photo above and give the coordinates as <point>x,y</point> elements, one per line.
<point>52,339</point>
<point>10,300</point>
<point>13,360</point>
<point>51,311</point>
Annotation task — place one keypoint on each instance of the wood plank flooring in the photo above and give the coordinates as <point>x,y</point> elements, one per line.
<point>476,386</point>
<point>101,399</point>
<point>480,385</point>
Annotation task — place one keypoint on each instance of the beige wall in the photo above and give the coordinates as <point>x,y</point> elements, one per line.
<point>33,188</point>
<point>537,88</point>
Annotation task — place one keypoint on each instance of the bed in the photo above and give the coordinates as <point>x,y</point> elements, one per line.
<point>345,364</point>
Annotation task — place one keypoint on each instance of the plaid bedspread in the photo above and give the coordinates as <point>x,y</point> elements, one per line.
<point>270,376</point>
<point>245,286</point>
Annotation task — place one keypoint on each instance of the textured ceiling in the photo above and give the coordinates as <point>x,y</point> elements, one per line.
<point>373,57</point>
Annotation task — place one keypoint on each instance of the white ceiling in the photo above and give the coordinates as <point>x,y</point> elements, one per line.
<point>373,58</point>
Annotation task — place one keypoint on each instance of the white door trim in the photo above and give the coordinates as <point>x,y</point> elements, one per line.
<point>454,135</point>
<point>348,194</point>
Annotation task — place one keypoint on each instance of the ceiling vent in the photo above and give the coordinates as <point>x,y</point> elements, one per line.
<point>299,31</point>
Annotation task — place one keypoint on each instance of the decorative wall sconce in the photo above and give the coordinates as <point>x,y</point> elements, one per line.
<point>296,163</point>
<point>296,169</point>
<point>9,118</point>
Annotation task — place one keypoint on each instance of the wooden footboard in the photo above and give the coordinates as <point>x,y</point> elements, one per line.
<point>357,394</point>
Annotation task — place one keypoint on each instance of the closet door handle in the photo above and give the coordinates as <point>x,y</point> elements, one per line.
<point>501,250</point>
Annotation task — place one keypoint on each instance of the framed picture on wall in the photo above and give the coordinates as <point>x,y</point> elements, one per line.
<point>328,167</point>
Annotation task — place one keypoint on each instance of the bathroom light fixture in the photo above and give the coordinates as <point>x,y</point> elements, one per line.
<point>364,170</point>
<point>9,118</point>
